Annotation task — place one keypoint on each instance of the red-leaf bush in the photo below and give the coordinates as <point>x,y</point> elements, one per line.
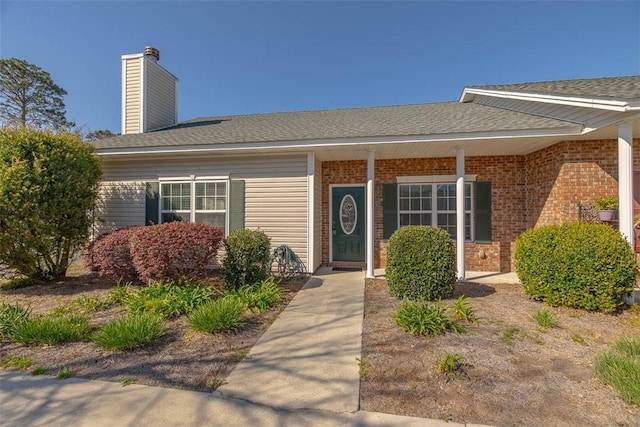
<point>110,254</point>
<point>175,250</point>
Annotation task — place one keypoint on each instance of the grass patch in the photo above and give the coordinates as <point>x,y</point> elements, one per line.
<point>258,297</point>
<point>462,311</point>
<point>214,382</point>
<point>129,332</point>
<point>240,354</point>
<point>21,363</point>
<point>120,294</point>
<point>363,367</point>
<point>223,315</point>
<point>420,318</point>
<point>450,363</point>
<point>545,318</point>
<point>11,318</point>
<point>39,371</point>
<point>168,299</point>
<point>63,374</point>
<point>17,283</point>
<point>51,329</point>
<point>510,334</point>
<point>129,381</point>
<point>620,368</point>
<point>578,340</point>
<point>89,304</point>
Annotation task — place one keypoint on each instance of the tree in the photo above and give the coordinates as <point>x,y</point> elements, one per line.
<point>29,97</point>
<point>99,134</point>
<point>48,189</point>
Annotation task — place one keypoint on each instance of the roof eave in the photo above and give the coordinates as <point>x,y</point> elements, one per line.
<point>469,94</point>
<point>570,130</point>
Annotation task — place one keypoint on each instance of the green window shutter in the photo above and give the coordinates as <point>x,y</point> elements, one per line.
<point>152,203</point>
<point>389,209</point>
<point>236,205</point>
<point>483,211</point>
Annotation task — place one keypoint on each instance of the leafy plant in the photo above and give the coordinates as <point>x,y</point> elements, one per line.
<point>449,363</point>
<point>223,315</point>
<point>48,188</point>
<point>213,382</point>
<point>129,332</point>
<point>620,368</point>
<point>462,311</point>
<point>21,363</point>
<point>247,259</point>
<point>110,254</point>
<point>419,318</point>
<point>89,304</point>
<point>258,297</point>
<point>420,263</point>
<point>581,265</point>
<point>39,371</point>
<point>129,381</point>
<point>545,318</point>
<point>52,329</point>
<point>11,318</point>
<point>606,203</point>
<point>120,294</point>
<point>510,334</point>
<point>168,298</point>
<point>578,340</point>
<point>175,250</point>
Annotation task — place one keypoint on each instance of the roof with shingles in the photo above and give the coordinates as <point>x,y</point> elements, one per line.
<point>622,88</point>
<point>391,121</point>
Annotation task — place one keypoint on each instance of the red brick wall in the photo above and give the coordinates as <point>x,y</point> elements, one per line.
<point>543,187</point>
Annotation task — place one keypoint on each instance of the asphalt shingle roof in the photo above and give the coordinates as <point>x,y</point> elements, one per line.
<point>403,120</point>
<point>623,88</point>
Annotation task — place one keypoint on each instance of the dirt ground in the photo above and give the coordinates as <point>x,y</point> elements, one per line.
<point>182,358</point>
<point>538,378</point>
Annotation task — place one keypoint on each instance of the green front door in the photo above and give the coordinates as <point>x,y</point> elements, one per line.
<point>347,224</point>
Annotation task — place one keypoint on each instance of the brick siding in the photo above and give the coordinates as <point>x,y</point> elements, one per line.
<point>544,187</point>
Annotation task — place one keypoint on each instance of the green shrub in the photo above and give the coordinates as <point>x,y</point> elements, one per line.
<point>420,318</point>
<point>463,311</point>
<point>258,297</point>
<point>129,332</point>
<point>168,299</point>
<point>247,259</point>
<point>620,368</point>
<point>223,315</point>
<point>421,263</point>
<point>11,317</point>
<point>581,265</point>
<point>449,363</point>
<point>48,189</point>
<point>52,329</point>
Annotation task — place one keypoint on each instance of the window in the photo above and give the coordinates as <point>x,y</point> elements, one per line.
<point>433,204</point>
<point>203,202</point>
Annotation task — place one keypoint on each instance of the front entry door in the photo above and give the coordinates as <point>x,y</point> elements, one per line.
<point>347,224</point>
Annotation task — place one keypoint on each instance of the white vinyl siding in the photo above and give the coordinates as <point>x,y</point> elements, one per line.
<point>132,95</point>
<point>160,97</point>
<point>275,189</point>
<point>121,204</point>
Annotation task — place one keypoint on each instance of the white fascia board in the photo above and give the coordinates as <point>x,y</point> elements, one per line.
<point>132,56</point>
<point>568,131</point>
<point>603,104</point>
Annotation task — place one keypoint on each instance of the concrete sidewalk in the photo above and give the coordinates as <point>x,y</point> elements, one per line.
<point>302,371</point>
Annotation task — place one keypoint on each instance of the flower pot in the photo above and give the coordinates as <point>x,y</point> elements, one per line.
<point>606,215</point>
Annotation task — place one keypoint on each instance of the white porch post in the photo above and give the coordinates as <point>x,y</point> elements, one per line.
<point>625,181</point>
<point>371,160</point>
<point>460,212</point>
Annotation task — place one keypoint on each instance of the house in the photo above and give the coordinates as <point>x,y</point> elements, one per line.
<point>334,184</point>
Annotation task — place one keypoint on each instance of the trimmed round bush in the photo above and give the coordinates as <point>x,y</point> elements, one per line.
<point>421,263</point>
<point>247,259</point>
<point>175,250</point>
<point>581,265</point>
<point>110,254</point>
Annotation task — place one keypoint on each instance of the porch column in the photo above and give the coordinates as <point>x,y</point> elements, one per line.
<point>371,161</point>
<point>625,181</point>
<point>460,212</point>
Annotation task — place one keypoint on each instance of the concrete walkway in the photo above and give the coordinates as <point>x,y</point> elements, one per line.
<point>302,371</point>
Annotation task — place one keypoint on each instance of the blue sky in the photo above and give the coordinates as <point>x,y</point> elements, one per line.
<point>255,57</point>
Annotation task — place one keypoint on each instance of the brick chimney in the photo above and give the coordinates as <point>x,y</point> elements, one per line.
<point>149,93</point>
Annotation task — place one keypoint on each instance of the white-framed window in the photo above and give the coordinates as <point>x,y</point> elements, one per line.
<point>434,204</point>
<point>201,201</point>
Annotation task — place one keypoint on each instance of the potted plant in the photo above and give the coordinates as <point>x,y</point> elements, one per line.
<point>606,207</point>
